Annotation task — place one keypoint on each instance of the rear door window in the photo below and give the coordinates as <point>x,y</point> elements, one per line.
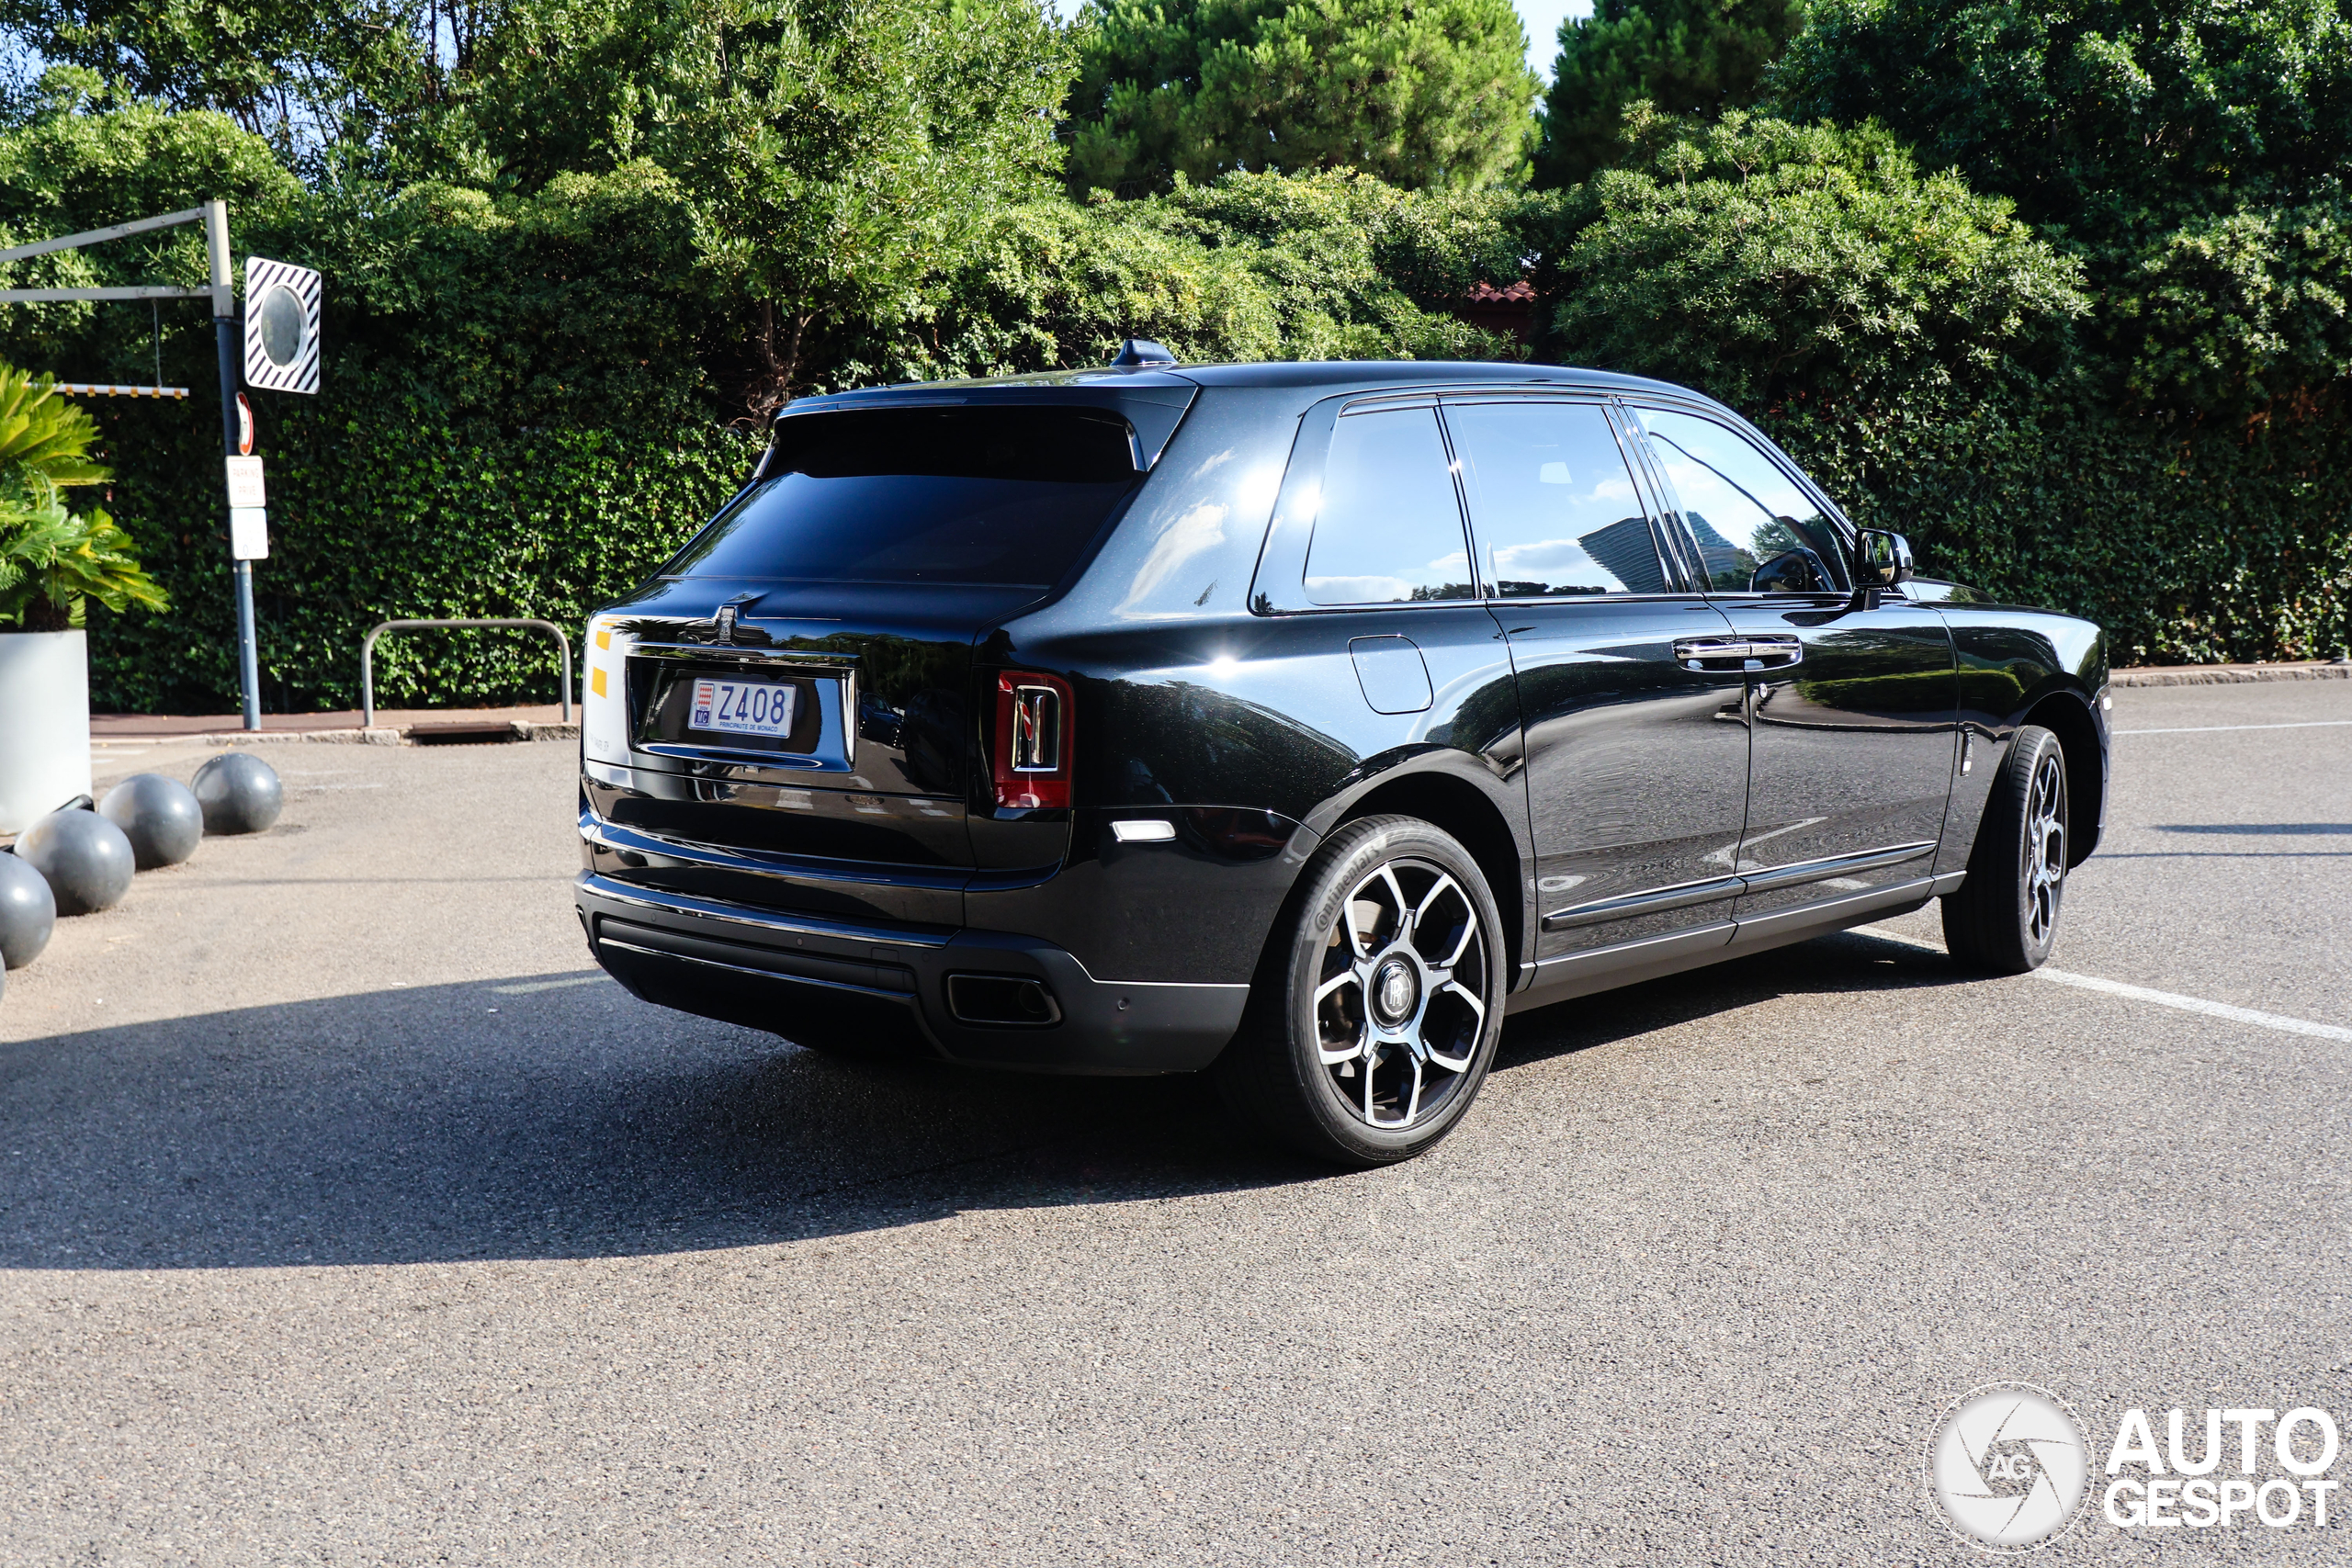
<point>1389,527</point>
<point>1552,502</point>
<point>1756,532</point>
<point>1008,496</point>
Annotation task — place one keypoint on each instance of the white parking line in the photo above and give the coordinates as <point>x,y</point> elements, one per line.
<point>525,990</point>
<point>2210,728</point>
<point>2279,1021</point>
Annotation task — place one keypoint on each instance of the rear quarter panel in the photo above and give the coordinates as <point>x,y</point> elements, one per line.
<point>1250,732</point>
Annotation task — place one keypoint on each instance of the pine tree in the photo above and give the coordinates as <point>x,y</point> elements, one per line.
<point>1421,93</point>
<point>1685,56</point>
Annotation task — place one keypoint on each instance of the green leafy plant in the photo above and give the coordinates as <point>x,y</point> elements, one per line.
<point>1762,260</point>
<point>1688,57</point>
<point>53,561</point>
<point>1416,92</point>
<point>2195,155</point>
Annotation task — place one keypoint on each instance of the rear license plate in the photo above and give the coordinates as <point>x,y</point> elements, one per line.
<point>742,707</point>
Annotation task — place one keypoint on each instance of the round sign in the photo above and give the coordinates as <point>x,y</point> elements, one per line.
<point>281,326</point>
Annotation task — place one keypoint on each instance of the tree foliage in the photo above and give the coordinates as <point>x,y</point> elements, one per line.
<point>1764,261</point>
<point>329,83</point>
<point>1419,92</point>
<point>2195,151</point>
<point>1684,57</point>
<point>1334,265</point>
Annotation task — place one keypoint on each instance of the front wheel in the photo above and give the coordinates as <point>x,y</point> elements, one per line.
<point>1377,1009</point>
<point>2004,917</point>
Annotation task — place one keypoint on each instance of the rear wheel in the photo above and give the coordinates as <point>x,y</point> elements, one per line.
<point>1376,1012</point>
<point>2004,917</point>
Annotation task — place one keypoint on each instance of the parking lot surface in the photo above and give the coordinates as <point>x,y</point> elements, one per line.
<point>348,1216</point>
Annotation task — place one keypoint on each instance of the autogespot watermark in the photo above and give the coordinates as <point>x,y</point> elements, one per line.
<point>2181,1488</point>
<point>2010,1466</point>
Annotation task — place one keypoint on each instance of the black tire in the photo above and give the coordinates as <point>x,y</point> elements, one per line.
<point>2004,917</point>
<point>1420,1001</point>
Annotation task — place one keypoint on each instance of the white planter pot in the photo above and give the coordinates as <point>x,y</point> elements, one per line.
<point>44,724</point>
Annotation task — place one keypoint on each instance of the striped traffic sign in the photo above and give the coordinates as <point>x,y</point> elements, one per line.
<point>281,326</point>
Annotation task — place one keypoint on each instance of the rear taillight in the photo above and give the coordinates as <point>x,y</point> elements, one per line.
<point>1031,745</point>
<point>604,706</point>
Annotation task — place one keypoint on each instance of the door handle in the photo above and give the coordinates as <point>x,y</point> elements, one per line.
<point>1716,655</point>
<point>1723,655</point>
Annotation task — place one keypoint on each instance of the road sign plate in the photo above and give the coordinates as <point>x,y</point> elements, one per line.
<point>281,326</point>
<point>248,534</point>
<point>245,485</point>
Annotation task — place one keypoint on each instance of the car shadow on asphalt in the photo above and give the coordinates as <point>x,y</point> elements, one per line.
<point>1847,961</point>
<point>562,1118</point>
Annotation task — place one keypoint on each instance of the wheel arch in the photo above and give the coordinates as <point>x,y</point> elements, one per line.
<point>1461,809</point>
<point>2068,714</point>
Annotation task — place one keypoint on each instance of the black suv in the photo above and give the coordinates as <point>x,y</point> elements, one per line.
<point>1298,721</point>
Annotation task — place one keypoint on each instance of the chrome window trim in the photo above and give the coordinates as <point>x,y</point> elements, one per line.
<point>1277,587</point>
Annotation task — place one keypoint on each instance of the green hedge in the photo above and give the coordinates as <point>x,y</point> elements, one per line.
<point>530,399</point>
<point>378,513</point>
<point>1923,353</point>
<point>2190,543</point>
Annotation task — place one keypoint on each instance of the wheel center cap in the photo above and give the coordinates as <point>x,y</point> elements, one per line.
<point>1394,990</point>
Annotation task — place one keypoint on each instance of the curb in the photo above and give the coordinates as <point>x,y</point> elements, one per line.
<point>2229,674</point>
<point>382,735</point>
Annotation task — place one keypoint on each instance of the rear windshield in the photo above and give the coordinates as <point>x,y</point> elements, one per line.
<point>1010,496</point>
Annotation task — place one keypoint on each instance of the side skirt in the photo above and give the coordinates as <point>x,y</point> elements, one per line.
<point>1628,963</point>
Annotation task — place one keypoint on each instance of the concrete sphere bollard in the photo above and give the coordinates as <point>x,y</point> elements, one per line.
<point>85,860</point>
<point>28,912</point>
<point>159,816</point>
<point>240,793</point>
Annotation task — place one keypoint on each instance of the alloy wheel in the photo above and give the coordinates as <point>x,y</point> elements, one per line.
<point>2045,848</point>
<point>1400,1000</point>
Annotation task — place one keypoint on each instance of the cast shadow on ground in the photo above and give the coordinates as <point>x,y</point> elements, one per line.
<point>572,1120</point>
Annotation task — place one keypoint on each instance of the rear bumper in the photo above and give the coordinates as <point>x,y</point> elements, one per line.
<point>810,977</point>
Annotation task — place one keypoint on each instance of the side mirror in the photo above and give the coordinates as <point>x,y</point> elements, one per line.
<point>1881,559</point>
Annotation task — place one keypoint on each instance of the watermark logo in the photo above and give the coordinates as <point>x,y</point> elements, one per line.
<point>2187,1481</point>
<point>2009,1466</point>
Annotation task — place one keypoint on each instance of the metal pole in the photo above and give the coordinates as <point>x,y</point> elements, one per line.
<point>367,679</point>
<point>224,340</point>
<point>367,656</point>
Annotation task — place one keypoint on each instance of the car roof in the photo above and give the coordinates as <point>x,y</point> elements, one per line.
<point>1331,375</point>
<point>1349,375</point>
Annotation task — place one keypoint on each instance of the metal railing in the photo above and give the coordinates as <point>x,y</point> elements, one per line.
<point>367,658</point>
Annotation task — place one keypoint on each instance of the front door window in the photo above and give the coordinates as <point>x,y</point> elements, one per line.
<point>1756,532</point>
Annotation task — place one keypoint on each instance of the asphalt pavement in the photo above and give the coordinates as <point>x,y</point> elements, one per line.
<point>348,1216</point>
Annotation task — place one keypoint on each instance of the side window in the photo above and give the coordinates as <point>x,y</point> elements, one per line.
<point>1756,531</point>
<point>1389,530</point>
<point>1552,505</point>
